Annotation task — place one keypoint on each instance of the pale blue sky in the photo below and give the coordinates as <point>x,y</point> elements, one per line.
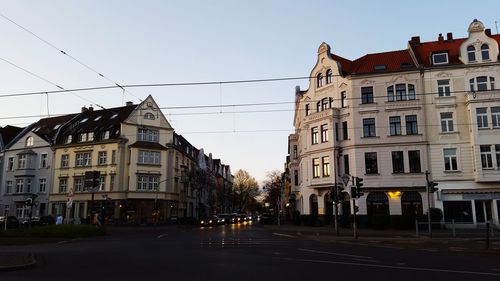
<point>191,41</point>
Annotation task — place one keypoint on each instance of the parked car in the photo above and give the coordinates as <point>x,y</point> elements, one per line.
<point>211,220</point>
<point>12,222</point>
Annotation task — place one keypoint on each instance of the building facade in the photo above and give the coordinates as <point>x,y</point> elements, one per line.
<point>388,118</point>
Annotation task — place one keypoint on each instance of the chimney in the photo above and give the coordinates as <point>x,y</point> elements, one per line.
<point>449,36</point>
<point>91,108</point>
<point>415,40</point>
<point>129,103</point>
<point>84,109</point>
<point>487,31</point>
<point>440,38</point>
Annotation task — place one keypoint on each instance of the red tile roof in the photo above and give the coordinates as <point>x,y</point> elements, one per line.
<point>392,61</point>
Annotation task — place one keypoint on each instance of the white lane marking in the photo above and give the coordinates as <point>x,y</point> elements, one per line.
<point>161,235</point>
<point>395,267</point>
<point>334,254</point>
<point>62,242</point>
<point>284,235</point>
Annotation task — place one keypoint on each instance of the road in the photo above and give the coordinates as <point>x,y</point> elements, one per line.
<point>242,252</point>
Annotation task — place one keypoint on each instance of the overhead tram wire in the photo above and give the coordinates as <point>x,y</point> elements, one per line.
<point>69,56</point>
<point>49,82</point>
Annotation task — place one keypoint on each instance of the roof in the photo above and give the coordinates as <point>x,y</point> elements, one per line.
<point>148,144</point>
<point>47,128</point>
<point>8,133</point>
<point>96,121</point>
<point>383,62</point>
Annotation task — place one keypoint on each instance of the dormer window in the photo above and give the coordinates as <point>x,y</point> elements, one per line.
<point>97,118</point>
<point>84,120</point>
<point>440,58</point>
<point>149,116</point>
<point>29,141</point>
<point>485,52</point>
<point>114,116</point>
<point>69,138</point>
<point>471,53</point>
<point>379,67</point>
<point>329,76</point>
<point>105,135</point>
<point>319,80</point>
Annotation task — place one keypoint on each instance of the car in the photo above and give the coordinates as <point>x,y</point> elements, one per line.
<point>211,220</point>
<point>12,222</point>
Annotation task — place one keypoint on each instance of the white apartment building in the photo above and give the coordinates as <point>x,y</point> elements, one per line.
<point>390,117</point>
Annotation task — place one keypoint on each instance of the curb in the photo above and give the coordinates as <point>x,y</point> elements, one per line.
<point>24,261</point>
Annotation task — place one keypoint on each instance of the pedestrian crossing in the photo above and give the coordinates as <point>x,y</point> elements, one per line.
<point>240,242</point>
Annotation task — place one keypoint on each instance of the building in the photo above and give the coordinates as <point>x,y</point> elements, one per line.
<point>7,134</point>
<point>390,117</point>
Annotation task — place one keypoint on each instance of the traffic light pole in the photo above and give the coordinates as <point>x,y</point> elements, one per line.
<point>354,224</point>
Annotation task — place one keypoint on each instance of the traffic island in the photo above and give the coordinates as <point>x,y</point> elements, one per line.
<point>16,261</point>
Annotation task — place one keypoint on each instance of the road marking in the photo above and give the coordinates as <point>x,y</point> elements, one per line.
<point>284,235</point>
<point>334,254</point>
<point>161,235</point>
<point>395,267</point>
<point>62,242</point>
<point>457,249</point>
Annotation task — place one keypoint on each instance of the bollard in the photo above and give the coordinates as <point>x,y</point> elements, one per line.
<point>453,228</point>
<point>416,228</point>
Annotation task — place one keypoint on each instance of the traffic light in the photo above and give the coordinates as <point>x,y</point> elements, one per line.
<point>356,209</point>
<point>432,187</point>
<point>359,187</point>
<point>354,191</point>
<point>29,202</point>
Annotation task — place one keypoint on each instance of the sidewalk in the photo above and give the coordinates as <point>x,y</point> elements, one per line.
<point>16,261</point>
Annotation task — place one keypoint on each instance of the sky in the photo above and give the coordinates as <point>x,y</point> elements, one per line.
<point>164,42</point>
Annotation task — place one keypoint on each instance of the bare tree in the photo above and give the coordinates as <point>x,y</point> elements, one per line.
<point>272,187</point>
<point>245,190</point>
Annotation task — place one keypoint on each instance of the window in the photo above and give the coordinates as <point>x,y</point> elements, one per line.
<point>102,158</point>
<point>149,116</point>
<point>147,135</point>
<point>82,137</point>
<point>324,133</point>
<point>314,135</point>
<point>366,95</point>
<point>147,182</point>
<point>318,106</point>
<point>411,125</point>
<point>485,52</point>
<point>315,163</point>
<point>369,127</point>
<point>98,118</point>
<point>325,104</point>
<point>343,99</point>
<point>346,164</point>
<point>102,183</point>
<point>113,157</point>
<point>345,134</point>
<point>371,163</point>
<point>105,135</point>
<point>319,80</point>
<point>29,141</point>
<point>443,88</point>
<point>28,185</point>
<point>21,161</point>
<point>63,185</point>
<point>441,58</point>
<point>44,161</point>
<point>69,138</point>
<point>295,152</point>
<point>447,122</point>
<point>482,117</point>
<point>471,53</point>
<point>495,117</point>
<point>401,92</point>
<point>480,83</point>
<point>19,185</point>
<point>83,159</point>
<point>10,164</point>
<point>65,161</point>
<point>398,166</point>
<point>149,157</point>
<point>329,76</point>
<point>326,166</point>
<point>296,177</point>
<point>78,185</point>
<point>486,156</point>
<point>90,136</point>
<point>497,151</point>
<point>111,182</point>
<point>414,159</point>
<point>9,187</point>
<point>42,185</point>
<point>308,109</point>
<point>395,125</point>
<point>450,159</point>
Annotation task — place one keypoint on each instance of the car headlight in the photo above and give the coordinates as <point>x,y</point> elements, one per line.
<point>223,220</point>
<point>210,221</point>
<point>202,222</point>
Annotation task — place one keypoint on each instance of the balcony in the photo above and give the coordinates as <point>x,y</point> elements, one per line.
<point>482,96</point>
<point>327,113</point>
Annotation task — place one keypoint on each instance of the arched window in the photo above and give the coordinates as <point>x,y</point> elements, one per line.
<point>411,204</point>
<point>329,76</point>
<point>29,141</point>
<point>149,116</point>
<point>313,205</point>
<point>319,80</point>
<point>471,53</point>
<point>485,52</point>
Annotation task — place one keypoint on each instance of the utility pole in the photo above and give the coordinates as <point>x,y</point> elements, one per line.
<point>428,203</point>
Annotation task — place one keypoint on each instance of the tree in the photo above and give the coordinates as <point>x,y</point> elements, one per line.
<point>245,190</point>
<point>273,187</point>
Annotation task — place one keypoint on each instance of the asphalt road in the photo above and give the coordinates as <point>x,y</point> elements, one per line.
<point>242,252</point>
